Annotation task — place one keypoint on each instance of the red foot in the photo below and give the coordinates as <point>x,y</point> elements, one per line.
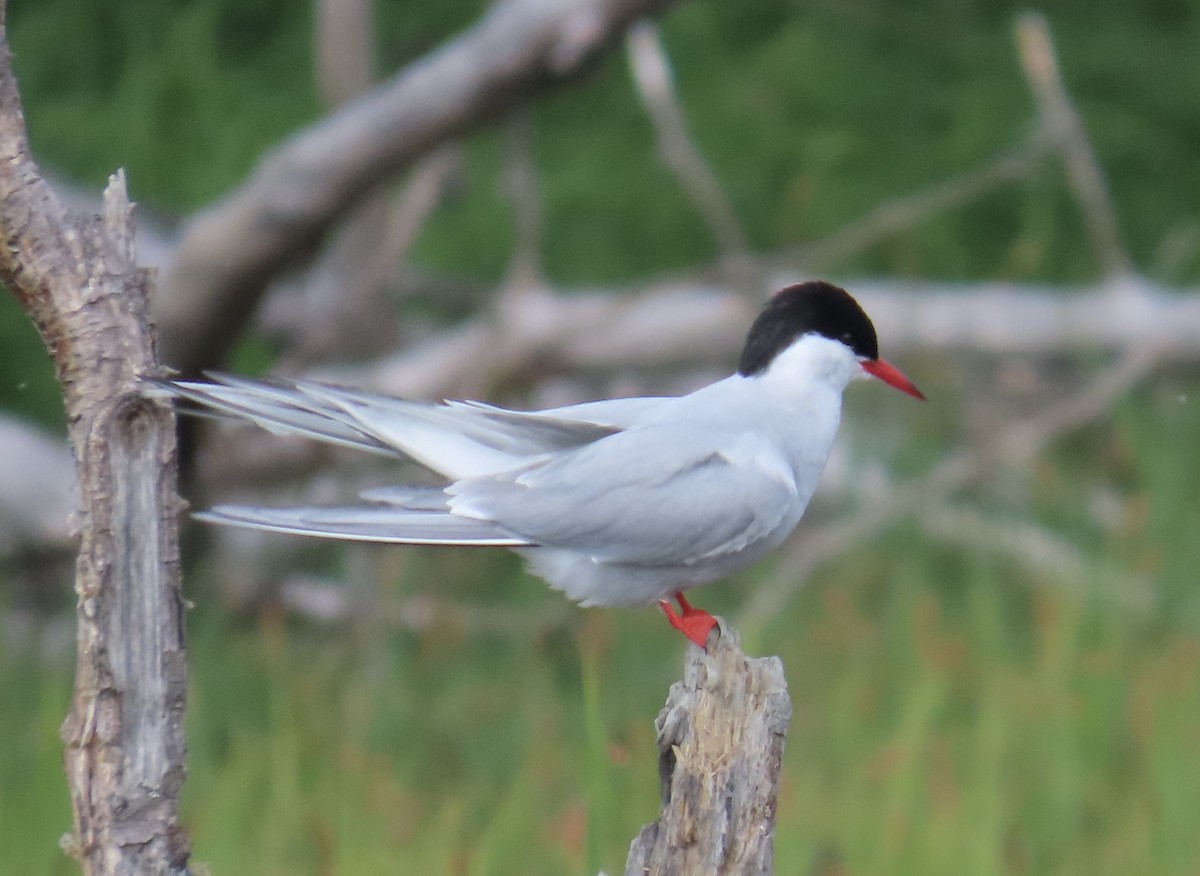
<point>695,623</point>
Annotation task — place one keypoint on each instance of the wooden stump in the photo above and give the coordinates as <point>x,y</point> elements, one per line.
<point>721,736</point>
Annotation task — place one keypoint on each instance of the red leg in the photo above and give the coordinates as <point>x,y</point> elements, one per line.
<point>695,623</point>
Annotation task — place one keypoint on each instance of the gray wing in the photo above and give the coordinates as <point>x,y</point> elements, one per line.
<point>615,413</point>
<point>657,495</point>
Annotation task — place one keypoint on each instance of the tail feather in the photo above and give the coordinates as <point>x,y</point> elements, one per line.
<point>409,497</point>
<point>276,408</point>
<point>454,439</point>
<point>458,439</point>
<point>386,525</point>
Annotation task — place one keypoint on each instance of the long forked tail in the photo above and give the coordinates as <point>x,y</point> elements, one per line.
<point>429,433</point>
<point>382,524</point>
<point>454,439</point>
<point>282,408</point>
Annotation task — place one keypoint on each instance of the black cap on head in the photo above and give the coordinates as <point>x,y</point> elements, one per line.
<point>813,307</point>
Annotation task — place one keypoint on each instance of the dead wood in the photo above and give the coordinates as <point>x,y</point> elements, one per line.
<point>77,277</point>
<point>721,738</point>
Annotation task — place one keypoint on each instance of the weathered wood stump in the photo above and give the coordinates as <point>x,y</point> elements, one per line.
<point>721,736</point>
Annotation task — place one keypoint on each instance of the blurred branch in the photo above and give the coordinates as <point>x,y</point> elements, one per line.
<point>77,278</point>
<point>521,186</point>
<point>336,306</point>
<point>34,463</point>
<point>1034,547</point>
<point>344,40</point>
<point>1011,448</point>
<point>1013,165</point>
<point>651,68</point>
<point>1010,318</point>
<point>676,323</point>
<point>231,250</point>
<point>541,332</point>
<point>420,196</point>
<point>1176,250</point>
<point>338,310</point>
<point>1062,122</point>
<point>720,738</point>
<point>1045,555</point>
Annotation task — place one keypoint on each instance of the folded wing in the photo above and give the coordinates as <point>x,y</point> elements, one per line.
<point>656,496</point>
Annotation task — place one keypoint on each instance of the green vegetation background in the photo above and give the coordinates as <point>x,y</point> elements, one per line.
<point>956,712</point>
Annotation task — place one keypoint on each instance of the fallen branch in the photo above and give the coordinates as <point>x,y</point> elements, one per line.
<point>697,323</point>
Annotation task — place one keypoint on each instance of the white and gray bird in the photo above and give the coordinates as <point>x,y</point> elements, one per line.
<point>615,502</point>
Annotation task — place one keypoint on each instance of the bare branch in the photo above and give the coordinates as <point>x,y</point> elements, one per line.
<point>1014,318</point>
<point>892,217</point>
<point>336,307</point>
<point>421,195</point>
<point>1034,547</point>
<point>652,74</point>
<point>538,332</point>
<point>231,250</point>
<point>1176,251</point>
<point>344,49</point>
<point>680,323</point>
<point>344,307</point>
<point>521,186</point>
<point>1064,125</point>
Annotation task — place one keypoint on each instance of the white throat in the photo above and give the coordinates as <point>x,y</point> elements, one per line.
<point>813,361</point>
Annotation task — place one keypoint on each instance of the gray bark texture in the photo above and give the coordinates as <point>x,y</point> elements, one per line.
<point>721,736</point>
<point>77,277</point>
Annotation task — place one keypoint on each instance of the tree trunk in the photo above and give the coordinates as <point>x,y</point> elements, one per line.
<point>78,279</point>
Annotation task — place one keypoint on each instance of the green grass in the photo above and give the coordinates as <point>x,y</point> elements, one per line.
<point>953,715</point>
<point>957,711</point>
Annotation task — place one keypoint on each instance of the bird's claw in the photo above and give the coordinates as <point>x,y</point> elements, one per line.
<point>695,623</point>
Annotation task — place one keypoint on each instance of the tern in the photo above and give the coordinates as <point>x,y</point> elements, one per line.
<point>616,502</point>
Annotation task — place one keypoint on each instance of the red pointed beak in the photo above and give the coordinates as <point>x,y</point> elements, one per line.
<point>891,375</point>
